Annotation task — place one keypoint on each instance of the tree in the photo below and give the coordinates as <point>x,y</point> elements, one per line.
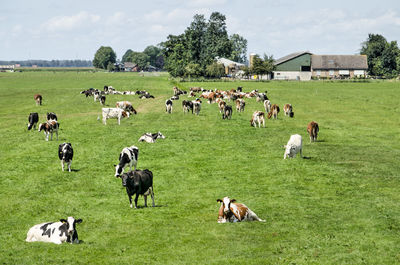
<point>103,56</point>
<point>373,47</point>
<point>262,67</point>
<point>127,54</point>
<point>193,70</point>
<point>389,59</point>
<point>175,55</point>
<point>153,52</point>
<point>215,70</point>
<point>239,48</point>
<point>139,58</point>
<point>195,40</point>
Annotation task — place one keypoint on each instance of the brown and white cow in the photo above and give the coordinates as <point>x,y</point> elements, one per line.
<point>288,110</point>
<point>221,105</point>
<point>38,98</point>
<point>258,117</point>
<point>233,212</point>
<point>126,105</point>
<point>267,106</point>
<point>240,104</point>
<point>274,111</point>
<point>313,130</point>
<point>48,128</point>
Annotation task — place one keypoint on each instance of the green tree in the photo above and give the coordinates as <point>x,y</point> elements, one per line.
<point>215,70</point>
<point>193,70</point>
<point>194,38</point>
<point>239,48</point>
<point>139,58</point>
<point>103,56</point>
<point>110,67</point>
<point>153,52</point>
<point>373,47</point>
<point>127,54</point>
<point>389,59</point>
<point>175,55</point>
<point>262,67</point>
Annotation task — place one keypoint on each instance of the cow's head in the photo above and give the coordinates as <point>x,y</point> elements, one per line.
<point>41,127</point>
<point>118,170</point>
<point>70,222</point>
<point>226,204</point>
<point>124,178</point>
<point>160,135</point>
<point>125,113</point>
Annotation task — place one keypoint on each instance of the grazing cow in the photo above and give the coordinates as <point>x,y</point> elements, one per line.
<point>274,111</point>
<point>221,105</point>
<point>187,106</point>
<point>233,212</point>
<point>294,145</point>
<point>240,104</point>
<point>287,108</point>
<point>55,232</point>
<point>313,130</point>
<point>33,120</point>
<point>51,116</point>
<point>65,153</point>
<point>239,89</point>
<point>48,128</point>
<point>261,97</point>
<point>258,117</point>
<point>168,106</point>
<point>102,100</point>
<point>151,137</point>
<point>128,156</point>
<point>267,106</point>
<point>227,114</point>
<point>126,105</point>
<point>196,106</point>
<point>116,113</point>
<point>96,95</point>
<point>38,98</point>
<point>139,182</point>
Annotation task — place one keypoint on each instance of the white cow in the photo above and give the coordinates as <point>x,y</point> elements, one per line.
<point>55,232</point>
<point>294,145</point>
<point>115,113</point>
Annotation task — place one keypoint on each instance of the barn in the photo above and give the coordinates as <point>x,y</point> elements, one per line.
<point>338,66</point>
<point>295,66</point>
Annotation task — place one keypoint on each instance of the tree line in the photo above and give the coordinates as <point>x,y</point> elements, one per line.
<point>52,63</point>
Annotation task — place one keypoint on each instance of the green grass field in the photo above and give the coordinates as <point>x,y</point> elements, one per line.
<point>341,206</point>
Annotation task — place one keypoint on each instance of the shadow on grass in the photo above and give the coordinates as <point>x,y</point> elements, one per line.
<point>306,157</point>
<point>156,206</point>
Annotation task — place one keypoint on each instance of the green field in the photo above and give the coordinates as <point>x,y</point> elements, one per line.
<point>341,206</point>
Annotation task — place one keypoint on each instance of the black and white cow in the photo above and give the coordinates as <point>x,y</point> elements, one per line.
<point>168,106</point>
<point>33,120</point>
<point>128,156</point>
<point>151,137</point>
<point>51,116</point>
<point>227,114</point>
<point>55,232</point>
<point>139,182</point>
<point>187,106</point>
<point>65,153</point>
<point>102,100</point>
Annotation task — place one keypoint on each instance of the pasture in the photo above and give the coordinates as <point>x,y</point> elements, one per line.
<point>341,206</point>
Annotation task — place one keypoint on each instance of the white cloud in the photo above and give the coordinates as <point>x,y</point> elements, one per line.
<point>208,3</point>
<point>65,23</point>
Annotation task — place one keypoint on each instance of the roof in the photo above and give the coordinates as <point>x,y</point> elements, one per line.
<point>129,65</point>
<point>227,62</point>
<point>339,62</point>
<point>290,57</point>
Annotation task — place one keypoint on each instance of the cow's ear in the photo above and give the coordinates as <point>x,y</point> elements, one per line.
<point>233,200</point>
<point>115,165</point>
<point>78,221</point>
<point>219,200</point>
<point>63,221</point>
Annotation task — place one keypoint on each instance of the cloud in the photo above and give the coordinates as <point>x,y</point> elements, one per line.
<point>67,23</point>
<point>208,3</point>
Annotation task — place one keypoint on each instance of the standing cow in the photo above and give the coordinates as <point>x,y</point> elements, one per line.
<point>313,130</point>
<point>128,156</point>
<point>38,98</point>
<point>65,153</point>
<point>33,119</point>
<point>168,106</point>
<point>139,182</point>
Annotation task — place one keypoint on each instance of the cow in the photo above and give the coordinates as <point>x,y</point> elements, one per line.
<point>313,130</point>
<point>33,119</point>
<point>227,114</point>
<point>293,146</point>
<point>38,98</point>
<point>146,95</point>
<point>221,105</point>
<point>103,100</point>
<point>116,113</point>
<point>65,153</point>
<point>139,182</point>
<point>126,105</point>
<point>128,156</point>
<point>55,232</point>
<point>196,106</point>
<point>240,104</point>
<point>261,97</point>
<point>187,106</point>
<point>191,94</point>
<point>88,92</point>
<point>140,92</point>
<point>196,89</point>
<point>151,137</point>
<point>267,106</point>
<point>48,128</point>
<point>168,106</point>
<point>233,212</point>
<point>273,111</point>
<point>258,117</point>
<point>96,96</point>
<point>51,116</point>
<point>288,110</point>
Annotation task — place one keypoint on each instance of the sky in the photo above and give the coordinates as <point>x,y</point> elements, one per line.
<point>72,29</point>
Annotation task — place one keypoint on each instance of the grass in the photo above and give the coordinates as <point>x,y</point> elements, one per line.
<point>339,207</point>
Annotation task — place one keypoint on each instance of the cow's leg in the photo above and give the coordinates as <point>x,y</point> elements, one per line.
<point>130,200</point>
<point>136,199</point>
<point>47,136</point>
<point>152,196</point>
<point>69,166</point>
<point>57,134</point>
<point>62,165</point>
<point>104,120</point>
<point>145,200</point>
<point>119,120</point>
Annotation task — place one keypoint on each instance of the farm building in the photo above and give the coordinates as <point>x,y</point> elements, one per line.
<point>231,67</point>
<point>130,67</point>
<point>295,66</point>
<point>339,66</point>
<point>7,68</point>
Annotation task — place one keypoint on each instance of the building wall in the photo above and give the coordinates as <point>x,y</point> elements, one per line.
<point>295,64</point>
<point>335,73</point>
<point>292,75</point>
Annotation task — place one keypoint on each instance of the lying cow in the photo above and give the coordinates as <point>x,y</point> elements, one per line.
<point>115,113</point>
<point>294,146</point>
<point>38,98</point>
<point>128,156</point>
<point>230,211</point>
<point>33,119</point>
<point>126,105</point>
<point>48,128</point>
<point>65,153</point>
<point>288,110</point>
<point>55,232</point>
<point>168,106</point>
<point>151,137</point>
<point>313,130</point>
<point>257,118</point>
<point>139,182</point>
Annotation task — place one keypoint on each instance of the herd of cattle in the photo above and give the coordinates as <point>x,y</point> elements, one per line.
<point>140,182</point>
